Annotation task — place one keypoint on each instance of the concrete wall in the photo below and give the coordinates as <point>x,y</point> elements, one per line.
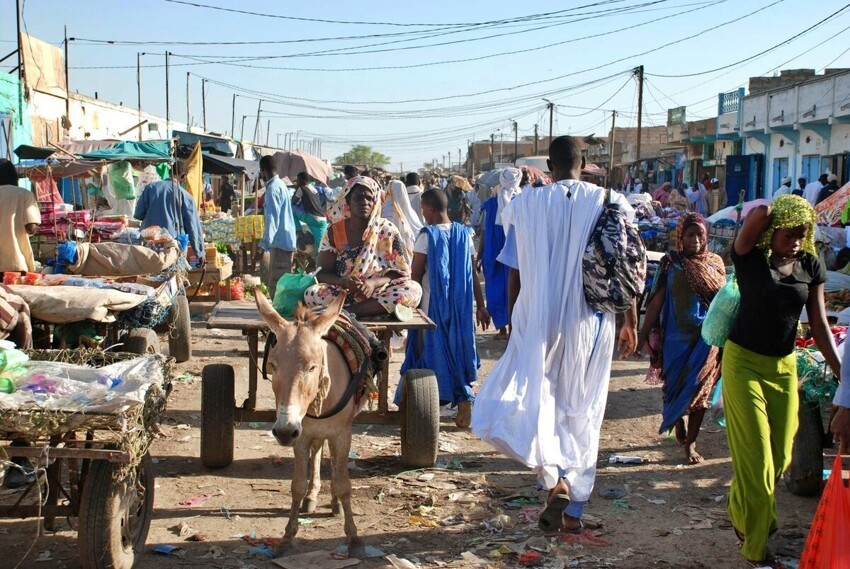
<point>17,133</point>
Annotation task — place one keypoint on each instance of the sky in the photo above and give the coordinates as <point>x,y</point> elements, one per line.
<point>418,80</point>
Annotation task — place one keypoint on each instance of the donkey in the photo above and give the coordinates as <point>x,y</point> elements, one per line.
<point>309,374</point>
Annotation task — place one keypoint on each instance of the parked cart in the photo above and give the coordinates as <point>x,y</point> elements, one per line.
<point>92,462</point>
<point>418,415</point>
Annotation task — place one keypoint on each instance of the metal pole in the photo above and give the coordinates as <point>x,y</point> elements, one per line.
<point>458,159</point>
<point>277,143</point>
<point>167,105</point>
<point>639,72</point>
<point>21,73</point>
<point>67,125</point>
<point>611,148</point>
<point>551,108</point>
<point>516,141</point>
<point>268,130</point>
<point>204,102</point>
<point>492,144</point>
<point>139,89</point>
<point>257,123</point>
<point>233,118</point>
<point>242,131</point>
<point>188,108</point>
<point>536,141</point>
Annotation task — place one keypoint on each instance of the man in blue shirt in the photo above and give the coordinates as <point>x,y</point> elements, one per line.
<point>165,203</point>
<point>279,235</point>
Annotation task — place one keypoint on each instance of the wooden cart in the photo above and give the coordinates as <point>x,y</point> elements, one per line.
<point>418,415</point>
<point>97,469</point>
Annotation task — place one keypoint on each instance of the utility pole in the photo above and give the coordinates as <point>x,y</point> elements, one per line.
<point>501,146</point>
<point>551,107</point>
<point>492,144</point>
<point>167,106</point>
<point>536,141</point>
<point>277,144</point>
<point>188,107</point>
<point>268,130</point>
<point>639,73</point>
<point>67,126</point>
<point>139,89</point>
<point>257,124</point>
<point>204,102</point>
<point>233,118</point>
<point>516,140</point>
<point>242,131</point>
<point>611,148</point>
<point>21,73</point>
<point>458,160</point>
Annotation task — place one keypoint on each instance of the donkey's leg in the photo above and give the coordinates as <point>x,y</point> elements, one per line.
<point>335,509</point>
<point>301,458</point>
<point>312,500</point>
<point>340,447</point>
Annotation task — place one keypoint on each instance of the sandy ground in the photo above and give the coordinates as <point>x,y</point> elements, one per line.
<point>670,515</point>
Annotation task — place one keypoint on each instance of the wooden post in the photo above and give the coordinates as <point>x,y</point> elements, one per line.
<point>611,149</point>
<point>639,73</point>
<point>188,109</point>
<point>67,125</point>
<point>139,89</point>
<point>233,118</point>
<point>167,101</point>
<point>204,102</point>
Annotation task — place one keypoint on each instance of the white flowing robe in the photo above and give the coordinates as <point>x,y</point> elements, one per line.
<point>544,401</point>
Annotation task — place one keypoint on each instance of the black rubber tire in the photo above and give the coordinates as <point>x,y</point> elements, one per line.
<point>180,330</point>
<point>114,519</point>
<point>420,423</point>
<point>805,476</point>
<point>141,341</point>
<point>218,411</point>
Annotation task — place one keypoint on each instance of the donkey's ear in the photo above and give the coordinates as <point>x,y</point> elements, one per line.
<point>275,321</point>
<point>323,322</point>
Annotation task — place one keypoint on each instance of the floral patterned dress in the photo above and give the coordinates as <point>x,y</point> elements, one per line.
<point>382,251</point>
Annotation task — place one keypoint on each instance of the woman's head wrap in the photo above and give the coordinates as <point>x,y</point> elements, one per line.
<point>788,211</point>
<point>691,218</point>
<point>338,210</point>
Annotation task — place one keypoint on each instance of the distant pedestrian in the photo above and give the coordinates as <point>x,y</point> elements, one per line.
<point>678,199</point>
<point>801,186</point>
<point>716,198</point>
<point>414,194</point>
<point>830,188</point>
<point>813,189</point>
<point>492,239</point>
<point>278,244</point>
<point>697,199</point>
<point>784,187</point>
<point>20,217</point>
<point>225,195</point>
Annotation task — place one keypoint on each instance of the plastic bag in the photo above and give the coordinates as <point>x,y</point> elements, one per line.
<point>121,179</point>
<point>236,290</point>
<point>721,314</point>
<point>290,291</point>
<point>826,546</point>
<point>717,411</point>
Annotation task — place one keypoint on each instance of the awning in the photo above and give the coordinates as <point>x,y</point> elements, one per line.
<point>57,170</point>
<point>27,152</point>
<point>157,150</point>
<point>210,144</point>
<point>222,166</point>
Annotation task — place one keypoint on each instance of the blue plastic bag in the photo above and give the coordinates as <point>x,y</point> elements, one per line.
<point>721,314</point>
<point>717,411</point>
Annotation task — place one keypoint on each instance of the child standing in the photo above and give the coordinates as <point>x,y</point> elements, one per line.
<point>442,263</point>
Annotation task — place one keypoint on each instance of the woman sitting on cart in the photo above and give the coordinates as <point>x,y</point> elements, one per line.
<point>365,256</point>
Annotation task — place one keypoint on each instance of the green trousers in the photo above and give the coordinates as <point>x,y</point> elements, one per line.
<point>760,402</point>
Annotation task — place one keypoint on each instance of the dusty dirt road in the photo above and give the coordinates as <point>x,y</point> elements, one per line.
<point>670,515</point>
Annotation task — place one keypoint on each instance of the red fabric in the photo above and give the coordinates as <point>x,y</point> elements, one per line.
<point>826,546</point>
<point>46,190</point>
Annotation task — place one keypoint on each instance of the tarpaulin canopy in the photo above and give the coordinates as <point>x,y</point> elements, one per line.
<point>128,150</point>
<point>38,170</point>
<point>290,164</point>
<point>27,152</point>
<point>222,166</point>
<point>209,144</point>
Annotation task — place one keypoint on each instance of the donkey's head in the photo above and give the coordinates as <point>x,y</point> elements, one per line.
<point>297,363</point>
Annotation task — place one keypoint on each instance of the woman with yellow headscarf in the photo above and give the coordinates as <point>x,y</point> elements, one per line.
<point>778,273</point>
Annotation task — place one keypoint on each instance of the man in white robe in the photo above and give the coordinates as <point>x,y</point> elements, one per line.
<point>543,402</point>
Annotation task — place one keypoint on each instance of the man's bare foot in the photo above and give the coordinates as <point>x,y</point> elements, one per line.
<point>691,454</point>
<point>679,430</point>
<point>559,488</point>
<point>570,524</point>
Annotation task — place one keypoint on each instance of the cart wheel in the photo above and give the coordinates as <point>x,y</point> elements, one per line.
<point>217,415</point>
<point>141,341</point>
<point>420,424</point>
<point>180,330</point>
<point>805,475</point>
<point>115,516</point>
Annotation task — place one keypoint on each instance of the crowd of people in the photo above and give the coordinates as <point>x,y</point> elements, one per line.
<point>390,245</point>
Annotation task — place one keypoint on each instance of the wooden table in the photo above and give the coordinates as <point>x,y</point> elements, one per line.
<point>243,315</point>
<point>213,275</point>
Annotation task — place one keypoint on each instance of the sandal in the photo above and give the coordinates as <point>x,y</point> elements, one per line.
<point>551,518</point>
<point>771,562</point>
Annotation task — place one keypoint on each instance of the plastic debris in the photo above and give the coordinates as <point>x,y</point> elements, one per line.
<point>399,563</point>
<point>197,500</point>
<point>530,558</point>
<point>463,498</point>
<point>165,549</point>
<point>226,513</point>
<point>183,529</point>
<point>420,521</point>
<point>473,559</point>
<point>305,521</point>
<point>321,559</point>
<point>45,555</point>
<point>613,493</point>
<point>622,459</point>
